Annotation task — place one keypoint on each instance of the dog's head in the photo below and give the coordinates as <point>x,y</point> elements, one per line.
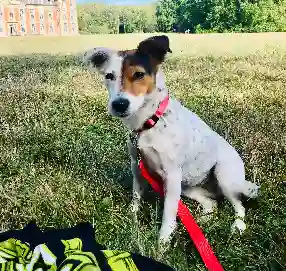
<point>130,76</point>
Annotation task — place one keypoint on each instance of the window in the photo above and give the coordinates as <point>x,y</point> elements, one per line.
<point>1,24</point>
<point>11,15</point>
<point>73,27</point>
<point>33,28</point>
<point>32,14</point>
<point>51,28</point>
<point>50,15</point>
<point>41,15</point>
<point>65,27</point>
<point>65,17</point>
<point>23,30</point>
<point>42,28</point>
<point>21,13</point>
<point>12,29</point>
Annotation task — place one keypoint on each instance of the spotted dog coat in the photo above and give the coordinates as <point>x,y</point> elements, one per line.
<point>181,149</point>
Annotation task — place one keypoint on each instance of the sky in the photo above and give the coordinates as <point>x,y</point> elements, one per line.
<point>117,2</point>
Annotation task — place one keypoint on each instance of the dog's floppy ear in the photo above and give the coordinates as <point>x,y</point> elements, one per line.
<point>155,47</point>
<point>124,53</point>
<point>97,58</point>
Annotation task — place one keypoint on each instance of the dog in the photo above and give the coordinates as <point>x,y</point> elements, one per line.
<point>179,148</point>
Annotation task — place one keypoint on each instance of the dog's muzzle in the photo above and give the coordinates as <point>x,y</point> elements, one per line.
<point>120,106</point>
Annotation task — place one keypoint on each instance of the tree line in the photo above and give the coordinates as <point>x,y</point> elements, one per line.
<point>194,16</point>
<point>107,19</point>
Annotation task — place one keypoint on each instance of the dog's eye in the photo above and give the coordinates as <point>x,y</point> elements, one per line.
<point>138,75</point>
<point>109,76</point>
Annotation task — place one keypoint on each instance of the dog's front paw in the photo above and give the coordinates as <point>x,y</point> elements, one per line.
<point>238,226</point>
<point>163,245</point>
<point>165,236</point>
<point>135,206</point>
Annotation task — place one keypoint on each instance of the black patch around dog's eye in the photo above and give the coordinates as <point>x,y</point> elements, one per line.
<point>98,59</point>
<point>140,60</point>
<point>138,75</point>
<point>110,76</point>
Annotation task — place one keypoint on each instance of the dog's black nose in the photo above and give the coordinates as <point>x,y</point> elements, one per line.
<point>120,105</point>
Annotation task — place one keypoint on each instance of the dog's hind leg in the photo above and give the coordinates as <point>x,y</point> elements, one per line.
<point>231,179</point>
<point>202,196</point>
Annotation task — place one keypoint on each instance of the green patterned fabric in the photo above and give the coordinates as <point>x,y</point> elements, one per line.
<point>57,252</point>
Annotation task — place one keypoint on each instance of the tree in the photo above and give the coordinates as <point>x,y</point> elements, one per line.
<point>166,14</point>
<point>222,15</point>
<point>105,19</point>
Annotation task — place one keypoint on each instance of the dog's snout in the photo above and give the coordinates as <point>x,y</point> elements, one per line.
<point>120,105</point>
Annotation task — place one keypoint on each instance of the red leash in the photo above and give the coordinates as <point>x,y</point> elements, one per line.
<point>201,243</point>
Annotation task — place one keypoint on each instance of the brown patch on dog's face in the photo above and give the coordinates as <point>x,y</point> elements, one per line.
<point>140,65</point>
<point>138,75</point>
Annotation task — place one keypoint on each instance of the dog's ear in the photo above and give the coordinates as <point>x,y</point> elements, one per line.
<point>155,47</point>
<point>124,53</point>
<point>97,58</point>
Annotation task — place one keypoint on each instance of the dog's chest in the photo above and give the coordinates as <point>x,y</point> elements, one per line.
<point>181,140</point>
<point>158,151</point>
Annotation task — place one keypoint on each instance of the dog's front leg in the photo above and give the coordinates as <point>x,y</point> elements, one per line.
<point>172,186</point>
<point>138,182</point>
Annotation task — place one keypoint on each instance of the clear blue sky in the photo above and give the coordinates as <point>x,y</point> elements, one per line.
<point>118,2</point>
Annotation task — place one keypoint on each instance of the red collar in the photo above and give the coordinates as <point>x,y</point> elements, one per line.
<point>149,123</point>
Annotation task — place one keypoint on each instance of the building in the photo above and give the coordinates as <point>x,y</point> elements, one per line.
<point>38,17</point>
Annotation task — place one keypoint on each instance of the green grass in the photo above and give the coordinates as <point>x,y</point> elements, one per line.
<point>64,160</point>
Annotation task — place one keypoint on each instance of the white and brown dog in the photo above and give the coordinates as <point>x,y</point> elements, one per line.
<point>180,148</point>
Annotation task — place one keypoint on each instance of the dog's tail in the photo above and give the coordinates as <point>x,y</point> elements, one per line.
<point>250,190</point>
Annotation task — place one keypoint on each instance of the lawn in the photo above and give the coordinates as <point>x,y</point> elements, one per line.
<point>64,159</point>
<point>194,45</point>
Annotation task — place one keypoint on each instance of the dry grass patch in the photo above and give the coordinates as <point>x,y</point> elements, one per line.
<point>192,44</point>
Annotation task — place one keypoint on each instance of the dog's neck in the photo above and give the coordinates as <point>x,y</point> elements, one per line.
<point>152,101</point>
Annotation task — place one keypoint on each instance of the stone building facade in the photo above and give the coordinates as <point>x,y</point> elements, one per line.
<point>38,17</point>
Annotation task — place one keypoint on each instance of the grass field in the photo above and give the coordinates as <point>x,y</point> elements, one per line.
<point>194,45</point>
<point>63,160</point>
